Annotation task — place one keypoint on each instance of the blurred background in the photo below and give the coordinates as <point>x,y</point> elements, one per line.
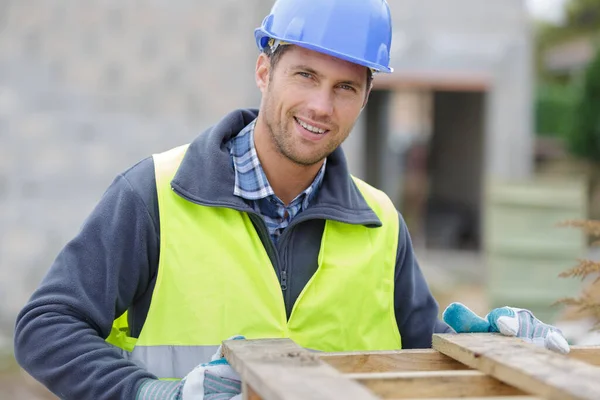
<point>486,136</point>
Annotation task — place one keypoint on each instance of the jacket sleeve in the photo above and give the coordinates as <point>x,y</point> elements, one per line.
<point>416,309</point>
<point>60,333</point>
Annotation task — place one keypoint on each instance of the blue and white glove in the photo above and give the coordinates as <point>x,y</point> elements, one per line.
<point>508,321</point>
<point>213,380</point>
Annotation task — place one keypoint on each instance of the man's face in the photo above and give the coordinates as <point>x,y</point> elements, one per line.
<point>310,102</point>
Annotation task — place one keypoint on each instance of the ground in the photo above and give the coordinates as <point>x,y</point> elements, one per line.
<point>17,384</point>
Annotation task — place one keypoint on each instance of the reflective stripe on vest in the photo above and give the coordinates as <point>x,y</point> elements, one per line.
<point>215,280</point>
<point>170,361</point>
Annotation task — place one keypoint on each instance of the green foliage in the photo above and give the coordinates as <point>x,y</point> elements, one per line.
<point>582,20</point>
<point>565,106</point>
<point>583,14</point>
<point>584,138</point>
<point>554,108</point>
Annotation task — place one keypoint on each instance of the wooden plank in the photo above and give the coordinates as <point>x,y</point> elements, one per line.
<point>463,81</point>
<point>279,369</point>
<point>588,354</point>
<point>409,385</point>
<point>530,368</point>
<point>248,393</point>
<point>482,398</point>
<point>421,360</point>
<point>390,361</point>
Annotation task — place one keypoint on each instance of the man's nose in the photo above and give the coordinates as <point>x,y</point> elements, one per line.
<point>321,102</point>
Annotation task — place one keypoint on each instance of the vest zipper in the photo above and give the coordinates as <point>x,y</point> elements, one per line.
<point>285,270</point>
<point>263,232</point>
<point>284,280</point>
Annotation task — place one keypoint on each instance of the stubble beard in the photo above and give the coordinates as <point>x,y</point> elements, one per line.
<point>283,139</point>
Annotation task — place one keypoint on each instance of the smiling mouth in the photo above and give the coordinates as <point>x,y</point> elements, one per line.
<point>310,128</point>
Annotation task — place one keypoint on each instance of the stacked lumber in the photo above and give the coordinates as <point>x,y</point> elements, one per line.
<point>484,366</point>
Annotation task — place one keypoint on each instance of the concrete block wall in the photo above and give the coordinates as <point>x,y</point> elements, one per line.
<point>88,88</point>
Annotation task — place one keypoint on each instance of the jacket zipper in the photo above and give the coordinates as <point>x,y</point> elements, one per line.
<point>284,281</point>
<point>263,233</point>
<point>286,263</point>
<point>285,266</point>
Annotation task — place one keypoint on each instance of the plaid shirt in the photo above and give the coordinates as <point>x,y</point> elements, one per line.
<point>251,184</point>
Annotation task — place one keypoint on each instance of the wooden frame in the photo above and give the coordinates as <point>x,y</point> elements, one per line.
<point>465,81</point>
<point>476,366</point>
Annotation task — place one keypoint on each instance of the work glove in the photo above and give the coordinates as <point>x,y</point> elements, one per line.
<point>508,321</point>
<point>212,381</point>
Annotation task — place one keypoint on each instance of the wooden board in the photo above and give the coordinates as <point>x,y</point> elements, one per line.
<point>474,366</point>
<point>535,370</point>
<point>483,398</point>
<point>421,360</point>
<point>248,393</point>
<point>425,385</point>
<point>588,354</point>
<point>392,361</point>
<point>279,369</point>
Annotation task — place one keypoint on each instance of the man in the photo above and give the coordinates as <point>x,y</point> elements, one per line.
<point>256,229</point>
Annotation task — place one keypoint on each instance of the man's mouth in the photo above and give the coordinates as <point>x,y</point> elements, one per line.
<point>310,128</point>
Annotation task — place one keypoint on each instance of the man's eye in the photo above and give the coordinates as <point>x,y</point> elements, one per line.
<point>305,74</point>
<point>347,87</point>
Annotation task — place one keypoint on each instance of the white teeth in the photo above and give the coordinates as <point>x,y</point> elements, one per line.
<point>310,127</point>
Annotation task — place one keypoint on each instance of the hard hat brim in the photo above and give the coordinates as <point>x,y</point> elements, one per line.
<point>262,37</point>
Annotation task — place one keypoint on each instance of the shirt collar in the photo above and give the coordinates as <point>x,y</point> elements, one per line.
<point>339,198</point>
<point>251,182</point>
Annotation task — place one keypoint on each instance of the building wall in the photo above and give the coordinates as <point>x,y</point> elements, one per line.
<point>474,40</point>
<point>88,88</point>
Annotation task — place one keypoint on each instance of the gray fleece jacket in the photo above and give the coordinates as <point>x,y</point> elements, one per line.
<point>111,265</point>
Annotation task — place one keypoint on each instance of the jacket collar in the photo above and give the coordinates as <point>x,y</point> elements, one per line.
<point>206,176</point>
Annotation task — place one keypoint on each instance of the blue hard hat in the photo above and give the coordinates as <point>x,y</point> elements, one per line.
<point>359,31</point>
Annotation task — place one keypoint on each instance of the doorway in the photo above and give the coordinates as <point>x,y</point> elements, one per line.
<point>424,148</point>
<point>456,171</point>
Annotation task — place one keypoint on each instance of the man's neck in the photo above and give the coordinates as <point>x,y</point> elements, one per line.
<point>288,179</point>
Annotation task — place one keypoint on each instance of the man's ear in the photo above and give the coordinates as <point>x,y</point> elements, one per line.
<point>367,96</point>
<point>263,68</point>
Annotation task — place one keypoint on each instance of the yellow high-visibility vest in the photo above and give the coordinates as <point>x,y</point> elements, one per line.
<point>215,280</point>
